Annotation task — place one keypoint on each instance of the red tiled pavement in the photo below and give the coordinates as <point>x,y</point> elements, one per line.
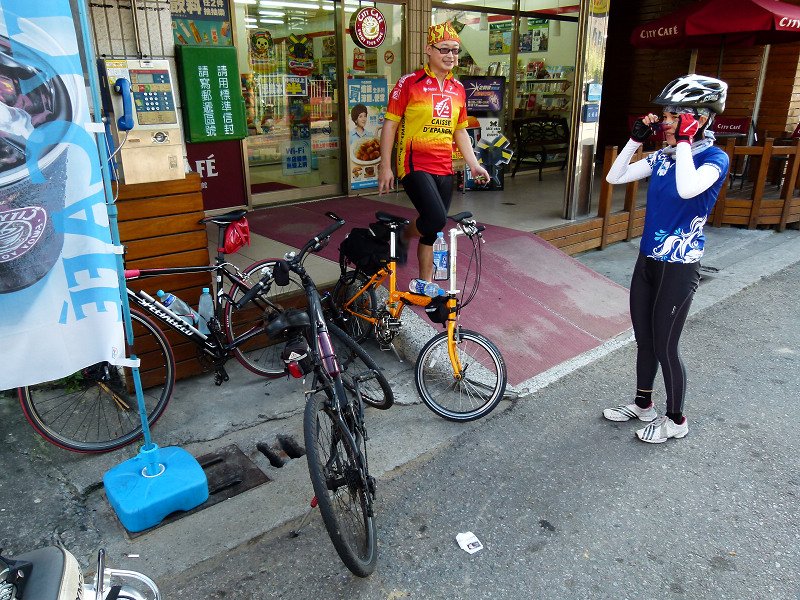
<point>538,305</point>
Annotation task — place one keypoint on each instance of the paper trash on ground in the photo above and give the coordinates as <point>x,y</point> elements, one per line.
<point>469,542</point>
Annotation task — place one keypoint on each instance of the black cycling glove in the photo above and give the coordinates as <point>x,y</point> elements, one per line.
<point>640,131</point>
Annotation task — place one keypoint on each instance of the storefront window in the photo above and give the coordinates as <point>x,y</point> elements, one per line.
<point>287,57</point>
<point>288,53</point>
<point>371,74</point>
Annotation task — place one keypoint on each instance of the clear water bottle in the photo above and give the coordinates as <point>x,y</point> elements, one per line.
<point>428,288</point>
<point>440,258</point>
<point>179,307</point>
<point>206,311</point>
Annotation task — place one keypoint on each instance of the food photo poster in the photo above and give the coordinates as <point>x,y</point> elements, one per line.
<point>367,99</point>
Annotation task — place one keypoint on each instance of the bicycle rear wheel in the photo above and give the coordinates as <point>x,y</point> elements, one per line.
<point>341,483</point>
<point>366,304</point>
<point>478,388</point>
<point>95,410</point>
<point>260,354</point>
<point>359,367</point>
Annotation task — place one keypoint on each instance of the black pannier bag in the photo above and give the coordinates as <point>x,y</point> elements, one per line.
<point>367,249</point>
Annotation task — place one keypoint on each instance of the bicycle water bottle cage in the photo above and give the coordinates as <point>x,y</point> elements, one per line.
<point>289,320</point>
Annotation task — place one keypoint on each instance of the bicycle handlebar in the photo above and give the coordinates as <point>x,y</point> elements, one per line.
<point>311,244</point>
<point>255,290</point>
<point>314,243</point>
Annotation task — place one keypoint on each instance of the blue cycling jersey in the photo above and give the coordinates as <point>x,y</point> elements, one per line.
<point>673,227</point>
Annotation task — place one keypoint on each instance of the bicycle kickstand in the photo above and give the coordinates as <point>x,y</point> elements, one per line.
<point>390,346</point>
<point>306,518</point>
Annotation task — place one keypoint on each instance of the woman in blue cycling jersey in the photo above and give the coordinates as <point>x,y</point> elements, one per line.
<point>685,180</point>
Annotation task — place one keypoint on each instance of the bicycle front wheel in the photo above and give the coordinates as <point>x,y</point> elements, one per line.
<point>470,394</point>
<point>366,303</point>
<point>260,353</point>
<point>358,368</point>
<point>341,484</point>
<point>95,410</point>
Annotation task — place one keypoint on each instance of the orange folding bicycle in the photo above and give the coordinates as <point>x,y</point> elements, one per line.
<point>459,373</point>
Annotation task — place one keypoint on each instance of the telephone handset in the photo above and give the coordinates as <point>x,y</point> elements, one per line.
<point>123,87</point>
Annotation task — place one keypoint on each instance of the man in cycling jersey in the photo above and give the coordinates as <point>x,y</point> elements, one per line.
<point>685,180</point>
<point>427,112</point>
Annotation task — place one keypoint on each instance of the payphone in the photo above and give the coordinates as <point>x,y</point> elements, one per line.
<point>139,101</point>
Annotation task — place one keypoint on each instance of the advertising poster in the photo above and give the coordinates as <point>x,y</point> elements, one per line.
<point>366,102</point>
<point>535,37</point>
<point>484,94</point>
<point>200,22</point>
<point>500,35</point>
<point>60,307</point>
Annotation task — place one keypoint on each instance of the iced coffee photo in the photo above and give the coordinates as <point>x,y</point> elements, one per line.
<point>29,245</point>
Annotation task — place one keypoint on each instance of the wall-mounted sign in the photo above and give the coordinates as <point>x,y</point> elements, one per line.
<point>590,113</point>
<point>388,57</point>
<point>296,85</point>
<point>219,165</point>
<point>296,157</point>
<point>594,91</point>
<point>213,107</point>
<point>366,101</point>
<point>201,22</point>
<point>368,27</point>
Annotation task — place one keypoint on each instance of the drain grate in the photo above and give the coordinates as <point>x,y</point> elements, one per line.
<point>229,471</point>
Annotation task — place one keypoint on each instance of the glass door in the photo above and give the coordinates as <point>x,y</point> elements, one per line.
<point>288,61</point>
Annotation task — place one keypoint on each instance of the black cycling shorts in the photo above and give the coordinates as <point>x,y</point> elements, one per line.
<point>430,195</point>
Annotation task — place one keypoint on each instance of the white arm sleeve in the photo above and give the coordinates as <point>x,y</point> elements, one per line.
<point>691,181</point>
<point>624,172</point>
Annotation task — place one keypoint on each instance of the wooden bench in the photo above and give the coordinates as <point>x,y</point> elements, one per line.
<point>537,137</point>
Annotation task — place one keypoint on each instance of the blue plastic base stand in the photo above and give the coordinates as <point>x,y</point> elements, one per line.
<point>153,484</point>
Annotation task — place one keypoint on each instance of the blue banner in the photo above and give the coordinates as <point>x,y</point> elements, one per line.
<point>59,290</point>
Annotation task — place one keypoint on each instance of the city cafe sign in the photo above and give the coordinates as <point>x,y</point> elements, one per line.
<point>661,32</point>
<point>368,27</point>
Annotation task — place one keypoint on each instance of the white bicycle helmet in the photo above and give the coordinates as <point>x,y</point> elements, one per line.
<point>695,91</point>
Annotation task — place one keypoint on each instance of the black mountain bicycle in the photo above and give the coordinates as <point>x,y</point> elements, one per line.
<point>95,409</point>
<point>334,429</point>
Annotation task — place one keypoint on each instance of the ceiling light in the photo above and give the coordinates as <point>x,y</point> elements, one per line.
<point>274,4</point>
<point>271,13</point>
<point>250,19</point>
<point>272,21</point>
<point>244,1</point>
<point>250,26</point>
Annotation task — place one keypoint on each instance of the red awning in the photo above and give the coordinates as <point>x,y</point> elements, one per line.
<point>713,22</point>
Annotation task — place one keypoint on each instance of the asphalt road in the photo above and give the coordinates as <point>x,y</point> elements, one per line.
<point>570,506</point>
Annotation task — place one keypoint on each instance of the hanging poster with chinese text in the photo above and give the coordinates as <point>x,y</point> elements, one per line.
<point>500,35</point>
<point>200,22</point>
<point>367,99</point>
<point>212,103</point>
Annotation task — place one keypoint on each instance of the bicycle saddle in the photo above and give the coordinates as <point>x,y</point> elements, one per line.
<point>224,219</point>
<point>293,318</point>
<point>460,216</point>
<point>385,217</point>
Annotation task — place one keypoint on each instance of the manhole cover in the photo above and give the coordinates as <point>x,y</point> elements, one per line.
<point>229,473</point>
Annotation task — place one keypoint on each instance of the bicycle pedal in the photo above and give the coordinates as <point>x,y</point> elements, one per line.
<point>220,376</point>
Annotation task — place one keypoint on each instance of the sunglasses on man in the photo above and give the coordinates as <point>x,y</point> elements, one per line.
<point>445,51</point>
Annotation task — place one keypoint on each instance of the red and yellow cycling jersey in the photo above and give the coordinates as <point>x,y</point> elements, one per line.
<point>428,115</point>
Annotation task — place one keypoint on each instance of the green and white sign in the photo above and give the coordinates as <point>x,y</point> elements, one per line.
<point>211,96</point>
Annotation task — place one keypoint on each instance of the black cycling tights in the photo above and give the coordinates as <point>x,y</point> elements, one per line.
<point>430,195</point>
<point>661,294</point>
